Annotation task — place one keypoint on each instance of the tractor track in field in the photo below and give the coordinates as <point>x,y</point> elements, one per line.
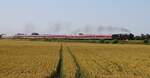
<point>79,72</point>
<point>59,70</point>
<point>58,73</point>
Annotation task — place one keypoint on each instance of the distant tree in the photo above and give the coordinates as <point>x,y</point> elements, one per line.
<point>101,41</point>
<point>81,34</point>
<point>35,33</point>
<point>115,41</point>
<point>147,36</point>
<point>146,41</point>
<point>137,38</point>
<point>131,36</point>
<point>106,41</point>
<point>143,36</point>
<point>20,34</point>
<point>0,36</point>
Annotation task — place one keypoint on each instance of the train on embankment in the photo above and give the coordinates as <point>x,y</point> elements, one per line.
<point>83,36</point>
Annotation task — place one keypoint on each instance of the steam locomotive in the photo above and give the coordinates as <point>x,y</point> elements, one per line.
<point>123,36</point>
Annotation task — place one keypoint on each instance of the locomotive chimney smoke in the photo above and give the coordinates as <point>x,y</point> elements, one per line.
<point>57,28</point>
<point>100,28</point>
<point>89,29</point>
<point>53,28</point>
<point>112,29</point>
<point>29,28</point>
<point>61,28</point>
<point>125,30</point>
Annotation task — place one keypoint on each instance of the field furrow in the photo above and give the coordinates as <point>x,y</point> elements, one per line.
<point>69,65</point>
<point>78,72</point>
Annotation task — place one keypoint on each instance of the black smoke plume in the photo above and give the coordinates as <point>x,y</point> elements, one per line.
<point>60,28</point>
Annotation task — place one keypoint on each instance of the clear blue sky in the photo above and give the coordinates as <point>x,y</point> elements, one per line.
<point>131,14</point>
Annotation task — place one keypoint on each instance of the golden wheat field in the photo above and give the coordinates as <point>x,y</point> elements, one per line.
<point>112,61</point>
<point>37,59</point>
<point>26,59</point>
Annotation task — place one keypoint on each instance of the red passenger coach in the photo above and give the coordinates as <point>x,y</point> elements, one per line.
<point>79,36</point>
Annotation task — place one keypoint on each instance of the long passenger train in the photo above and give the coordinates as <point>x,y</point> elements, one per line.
<point>64,36</point>
<point>84,36</point>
